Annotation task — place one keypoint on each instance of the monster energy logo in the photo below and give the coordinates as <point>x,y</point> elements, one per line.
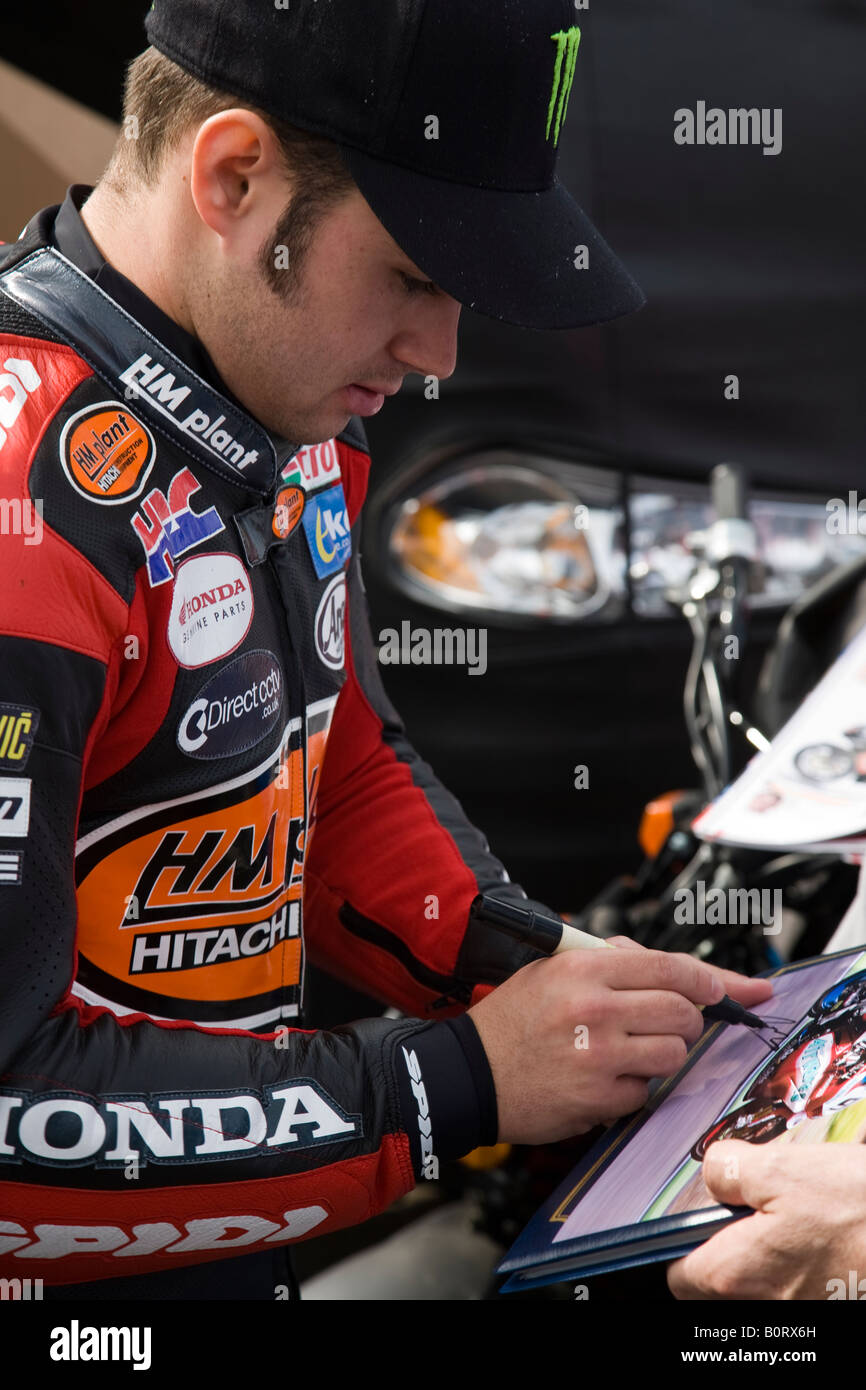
<point>566,42</point>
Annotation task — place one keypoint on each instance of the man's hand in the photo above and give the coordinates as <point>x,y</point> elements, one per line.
<point>574,1039</point>
<point>809,1225</point>
<point>746,991</point>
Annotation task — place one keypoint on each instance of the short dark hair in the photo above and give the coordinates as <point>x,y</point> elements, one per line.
<point>162,103</point>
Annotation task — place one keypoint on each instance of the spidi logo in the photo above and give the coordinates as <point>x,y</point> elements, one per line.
<point>429,1161</point>
<point>129,1242</point>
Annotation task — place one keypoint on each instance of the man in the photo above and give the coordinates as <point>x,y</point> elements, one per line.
<point>302,199</point>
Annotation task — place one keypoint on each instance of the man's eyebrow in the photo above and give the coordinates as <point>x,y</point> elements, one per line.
<point>415,274</point>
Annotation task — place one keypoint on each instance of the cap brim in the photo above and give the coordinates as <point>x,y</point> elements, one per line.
<point>510,256</point>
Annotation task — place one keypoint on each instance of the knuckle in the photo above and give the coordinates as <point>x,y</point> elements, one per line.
<point>689,970</point>
<point>625,943</point>
<point>690,1020</point>
<point>668,1056</point>
<point>633,1095</point>
<point>723,1281</point>
<point>668,970</point>
<point>571,967</point>
<point>593,1013</point>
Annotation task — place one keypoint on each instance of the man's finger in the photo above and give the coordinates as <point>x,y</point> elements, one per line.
<point>740,1174</point>
<point>744,990</point>
<point>655,1011</point>
<point>662,970</point>
<point>683,1279</point>
<point>736,1263</point>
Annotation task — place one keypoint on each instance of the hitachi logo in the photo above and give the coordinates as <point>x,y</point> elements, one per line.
<point>153,952</point>
<point>47,1127</point>
<point>168,397</point>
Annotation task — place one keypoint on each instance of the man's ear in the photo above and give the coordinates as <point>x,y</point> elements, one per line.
<point>234,166</point>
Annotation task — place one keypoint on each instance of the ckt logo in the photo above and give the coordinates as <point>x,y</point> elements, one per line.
<point>332,527</point>
<point>328,530</point>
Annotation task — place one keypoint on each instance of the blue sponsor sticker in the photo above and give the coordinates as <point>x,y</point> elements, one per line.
<point>326,526</point>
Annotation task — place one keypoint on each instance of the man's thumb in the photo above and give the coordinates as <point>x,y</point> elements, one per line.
<point>738,1174</point>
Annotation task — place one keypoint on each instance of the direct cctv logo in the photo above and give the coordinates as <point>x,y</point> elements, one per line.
<point>168,397</point>
<point>235,709</point>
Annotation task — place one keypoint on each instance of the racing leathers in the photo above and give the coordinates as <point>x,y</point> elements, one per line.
<point>183,635</point>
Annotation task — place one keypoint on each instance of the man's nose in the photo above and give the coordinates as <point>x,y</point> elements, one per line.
<point>429,346</point>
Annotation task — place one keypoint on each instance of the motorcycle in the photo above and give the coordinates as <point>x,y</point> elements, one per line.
<point>724,731</point>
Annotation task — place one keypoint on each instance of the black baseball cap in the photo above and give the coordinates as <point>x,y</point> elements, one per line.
<point>448,114</point>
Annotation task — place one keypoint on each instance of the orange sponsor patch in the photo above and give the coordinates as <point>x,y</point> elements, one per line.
<point>209,901</point>
<point>107,453</point>
<point>199,901</point>
<point>287,511</point>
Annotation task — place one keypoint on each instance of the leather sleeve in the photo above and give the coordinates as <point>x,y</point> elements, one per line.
<point>395,863</point>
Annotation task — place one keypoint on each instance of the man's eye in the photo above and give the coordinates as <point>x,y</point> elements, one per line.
<point>415,286</point>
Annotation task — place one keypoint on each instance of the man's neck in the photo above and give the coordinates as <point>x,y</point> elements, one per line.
<point>129,240</point>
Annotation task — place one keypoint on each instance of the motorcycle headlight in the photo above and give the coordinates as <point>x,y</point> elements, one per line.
<point>512,534</point>
<point>521,537</point>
